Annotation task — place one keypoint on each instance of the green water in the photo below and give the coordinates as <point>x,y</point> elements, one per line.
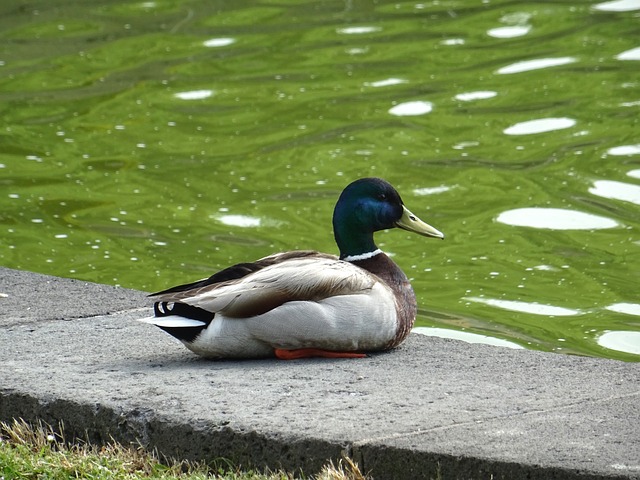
<point>151,143</point>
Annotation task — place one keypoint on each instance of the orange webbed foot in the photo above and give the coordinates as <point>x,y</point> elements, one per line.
<point>283,354</point>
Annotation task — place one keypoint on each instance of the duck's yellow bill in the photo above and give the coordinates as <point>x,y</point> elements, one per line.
<point>410,222</point>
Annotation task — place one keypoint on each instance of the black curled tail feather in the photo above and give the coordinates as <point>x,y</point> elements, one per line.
<point>183,333</point>
<point>164,309</point>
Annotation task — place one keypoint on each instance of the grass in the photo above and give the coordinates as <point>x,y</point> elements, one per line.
<point>38,452</point>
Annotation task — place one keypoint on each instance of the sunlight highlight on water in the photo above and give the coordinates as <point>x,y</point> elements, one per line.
<point>540,125</point>
<point>358,30</point>
<point>243,221</point>
<point>633,54</point>
<point>409,109</point>
<point>194,95</point>
<point>509,32</point>
<point>466,337</point>
<point>219,42</point>
<point>526,307</point>
<point>431,190</point>
<point>555,219</point>
<point>622,341</point>
<point>537,64</point>
<point>618,6</point>
<point>386,82</point>
<point>616,191</point>
<point>624,150</point>
<point>213,133</point>
<point>626,308</point>
<point>479,95</point>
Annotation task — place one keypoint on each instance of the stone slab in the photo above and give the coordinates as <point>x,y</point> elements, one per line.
<point>433,408</point>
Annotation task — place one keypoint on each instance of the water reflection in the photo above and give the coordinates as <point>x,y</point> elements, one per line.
<point>540,125</point>
<point>618,6</point>
<point>219,42</point>
<point>633,54</point>
<point>91,118</point>
<point>517,25</point>
<point>509,32</point>
<point>555,219</point>
<point>411,108</point>
<point>244,221</point>
<point>386,82</point>
<point>465,336</point>
<point>452,41</point>
<point>358,30</point>
<point>479,95</point>
<point>537,64</point>
<point>621,341</point>
<point>431,190</point>
<point>623,150</point>
<point>526,307</point>
<point>194,94</point>
<point>626,308</point>
<point>463,145</point>
<point>616,191</point>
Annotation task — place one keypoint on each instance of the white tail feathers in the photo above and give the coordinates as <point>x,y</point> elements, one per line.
<point>172,321</point>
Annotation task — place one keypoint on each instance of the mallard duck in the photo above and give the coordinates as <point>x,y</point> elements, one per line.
<point>305,303</point>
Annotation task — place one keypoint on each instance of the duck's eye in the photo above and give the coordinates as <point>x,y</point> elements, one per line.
<point>382,196</point>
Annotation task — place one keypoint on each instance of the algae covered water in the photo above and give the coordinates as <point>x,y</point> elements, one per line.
<point>150,143</point>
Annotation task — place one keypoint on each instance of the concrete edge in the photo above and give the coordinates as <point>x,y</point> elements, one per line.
<point>219,445</point>
<point>201,440</point>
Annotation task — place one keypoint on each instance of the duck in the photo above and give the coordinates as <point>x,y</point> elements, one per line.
<point>304,303</point>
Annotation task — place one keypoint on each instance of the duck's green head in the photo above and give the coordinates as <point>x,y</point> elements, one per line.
<point>366,206</point>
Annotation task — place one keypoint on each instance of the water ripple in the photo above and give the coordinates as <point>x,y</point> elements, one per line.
<point>386,82</point>
<point>526,307</point>
<point>411,109</point>
<point>509,32</point>
<point>622,341</point>
<point>618,6</point>
<point>244,221</point>
<point>194,94</point>
<point>537,64</point>
<point>624,150</point>
<point>626,308</point>
<point>633,54</point>
<point>219,42</point>
<point>540,125</point>
<point>358,30</point>
<point>479,95</point>
<point>616,191</point>
<point>465,336</point>
<point>555,219</point>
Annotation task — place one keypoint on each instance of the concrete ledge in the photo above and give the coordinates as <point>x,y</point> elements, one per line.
<point>71,351</point>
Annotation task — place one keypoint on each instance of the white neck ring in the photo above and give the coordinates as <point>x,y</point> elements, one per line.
<point>362,256</point>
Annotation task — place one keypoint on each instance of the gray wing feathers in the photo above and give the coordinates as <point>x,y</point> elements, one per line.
<point>300,279</point>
